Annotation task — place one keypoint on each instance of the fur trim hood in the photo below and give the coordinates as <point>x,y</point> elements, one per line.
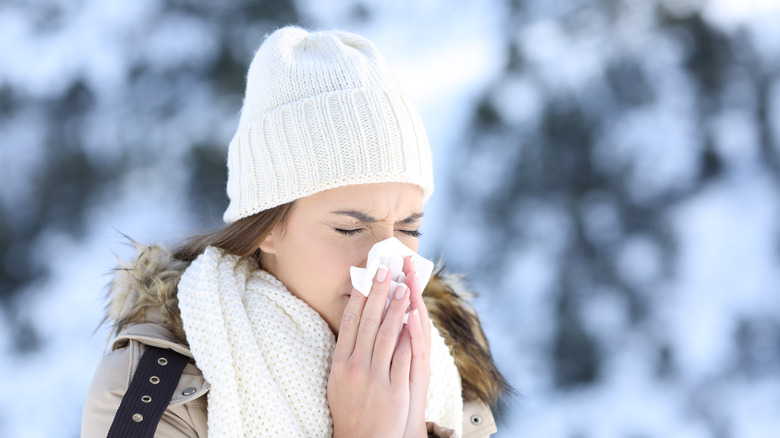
<point>144,290</point>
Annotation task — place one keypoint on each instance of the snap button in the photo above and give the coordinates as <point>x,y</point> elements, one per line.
<point>138,418</point>
<point>154,379</point>
<point>476,420</point>
<point>146,399</point>
<point>189,391</point>
<point>162,361</point>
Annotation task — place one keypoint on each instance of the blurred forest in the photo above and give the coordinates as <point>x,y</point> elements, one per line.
<point>613,195</point>
<point>164,100</point>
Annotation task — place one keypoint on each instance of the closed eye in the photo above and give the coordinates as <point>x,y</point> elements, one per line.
<point>413,233</point>
<point>349,232</point>
<point>355,232</point>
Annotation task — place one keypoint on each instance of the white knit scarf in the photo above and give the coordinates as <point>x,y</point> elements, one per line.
<point>266,354</point>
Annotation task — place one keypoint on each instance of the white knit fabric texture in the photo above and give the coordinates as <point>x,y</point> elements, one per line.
<point>321,110</point>
<point>266,354</point>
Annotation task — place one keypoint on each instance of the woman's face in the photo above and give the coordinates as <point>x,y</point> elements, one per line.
<point>328,232</point>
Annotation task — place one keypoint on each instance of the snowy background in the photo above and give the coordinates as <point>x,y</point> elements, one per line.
<point>608,176</point>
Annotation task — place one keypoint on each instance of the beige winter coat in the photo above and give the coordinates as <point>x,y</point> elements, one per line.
<point>144,308</point>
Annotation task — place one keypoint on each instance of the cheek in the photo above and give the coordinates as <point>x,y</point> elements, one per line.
<point>324,263</point>
<point>337,262</point>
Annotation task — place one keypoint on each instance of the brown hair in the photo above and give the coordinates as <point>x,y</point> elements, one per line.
<point>241,238</point>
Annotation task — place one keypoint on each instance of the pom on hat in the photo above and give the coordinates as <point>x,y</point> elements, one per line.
<point>321,110</point>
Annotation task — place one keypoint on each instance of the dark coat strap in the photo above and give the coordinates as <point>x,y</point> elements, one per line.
<point>149,394</point>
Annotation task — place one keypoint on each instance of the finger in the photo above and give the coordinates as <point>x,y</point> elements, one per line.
<point>419,372</point>
<point>372,314</point>
<point>348,329</point>
<point>420,351</point>
<point>387,337</point>
<point>416,300</point>
<point>402,360</point>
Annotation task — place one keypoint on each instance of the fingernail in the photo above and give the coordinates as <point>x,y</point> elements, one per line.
<point>381,273</point>
<point>400,291</point>
<point>416,315</point>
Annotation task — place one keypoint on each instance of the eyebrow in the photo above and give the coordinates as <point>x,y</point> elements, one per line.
<point>362,217</point>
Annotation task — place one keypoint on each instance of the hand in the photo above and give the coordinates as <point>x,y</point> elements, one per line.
<point>371,378</point>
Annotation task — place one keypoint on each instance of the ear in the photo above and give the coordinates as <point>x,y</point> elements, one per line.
<point>268,244</point>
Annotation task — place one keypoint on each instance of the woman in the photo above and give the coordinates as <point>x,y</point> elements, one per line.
<point>329,158</point>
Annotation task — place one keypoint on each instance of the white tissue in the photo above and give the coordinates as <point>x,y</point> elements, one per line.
<point>391,253</point>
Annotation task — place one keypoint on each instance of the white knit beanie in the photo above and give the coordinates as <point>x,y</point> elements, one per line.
<point>321,110</point>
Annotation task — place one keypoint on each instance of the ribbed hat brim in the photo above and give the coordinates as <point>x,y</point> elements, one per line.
<point>329,140</point>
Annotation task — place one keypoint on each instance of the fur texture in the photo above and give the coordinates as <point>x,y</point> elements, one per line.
<point>145,291</point>
<point>446,300</point>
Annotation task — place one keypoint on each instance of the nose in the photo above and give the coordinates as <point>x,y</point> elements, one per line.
<point>382,233</point>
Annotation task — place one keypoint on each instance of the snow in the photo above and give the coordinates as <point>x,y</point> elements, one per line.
<point>518,101</point>
<point>757,17</point>
<point>564,60</point>
<point>723,230</point>
<point>657,142</point>
<point>447,54</point>
<point>177,40</point>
